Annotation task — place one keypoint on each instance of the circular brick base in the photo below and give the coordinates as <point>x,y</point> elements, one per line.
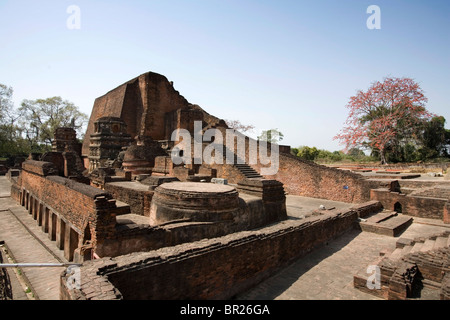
<point>193,201</point>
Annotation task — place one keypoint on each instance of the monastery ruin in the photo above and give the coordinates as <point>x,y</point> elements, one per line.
<point>146,227</point>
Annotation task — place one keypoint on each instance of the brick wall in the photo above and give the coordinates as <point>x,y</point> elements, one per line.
<point>218,268</point>
<point>414,206</point>
<point>446,215</point>
<point>79,205</point>
<point>142,103</point>
<point>138,200</point>
<point>306,178</point>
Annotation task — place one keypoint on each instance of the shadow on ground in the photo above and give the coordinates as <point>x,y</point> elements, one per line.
<point>275,285</point>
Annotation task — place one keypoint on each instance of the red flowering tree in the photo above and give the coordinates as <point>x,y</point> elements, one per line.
<point>388,113</point>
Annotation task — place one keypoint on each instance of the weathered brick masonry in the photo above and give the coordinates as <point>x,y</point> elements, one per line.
<point>72,213</point>
<point>306,178</point>
<point>417,206</point>
<point>218,268</point>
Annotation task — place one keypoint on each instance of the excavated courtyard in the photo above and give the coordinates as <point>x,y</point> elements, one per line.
<point>324,274</point>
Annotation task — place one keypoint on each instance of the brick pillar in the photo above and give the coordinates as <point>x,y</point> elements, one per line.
<point>52,222</point>
<point>45,219</point>
<point>70,242</point>
<point>40,209</point>
<point>447,212</point>
<point>60,233</point>
<point>105,224</point>
<point>272,195</point>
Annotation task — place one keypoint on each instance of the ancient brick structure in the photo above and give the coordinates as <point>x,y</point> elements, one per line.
<point>73,214</point>
<point>148,105</point>
<point>217,268</point>
<point>152,110</point>
<point>106,142</point>
<point>65,139</point>
<point>84,220</point>
<point>139,158</point>
<point>193,201</point>
<point>144,216</point>
<point>413,264</point>
<point>423,202</point>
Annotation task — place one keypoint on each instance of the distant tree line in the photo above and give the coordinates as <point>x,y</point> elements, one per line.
<point>325,156</point>
<point>30,127</point>
<point>431,144</point>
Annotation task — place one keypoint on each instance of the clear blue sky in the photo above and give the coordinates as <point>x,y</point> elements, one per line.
<point>291,65</point>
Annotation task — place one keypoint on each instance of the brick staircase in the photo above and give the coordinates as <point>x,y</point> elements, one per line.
<point>416,269</point>
<point>243,167</point>
<point>433,243</point>
<point>248,171</point>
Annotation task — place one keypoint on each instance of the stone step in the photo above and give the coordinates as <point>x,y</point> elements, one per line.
<point>431,284</point>
<point>397,254</point>
<point>406,250</point>
<point>250,171</point>
<point>427,245</point>
<point>381,216</point>
<point>440,242</point>
<point>416,247</point>
<point>386,223</point>
<point>402,242</point>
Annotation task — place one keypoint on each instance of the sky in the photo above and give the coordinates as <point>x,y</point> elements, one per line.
<point>286,65</point>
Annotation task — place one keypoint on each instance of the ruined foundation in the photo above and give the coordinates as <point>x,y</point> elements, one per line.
<point>217,268</point>
<point>193,201</point>
<point>146,227</point>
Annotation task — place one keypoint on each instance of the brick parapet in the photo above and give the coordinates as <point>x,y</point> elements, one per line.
<point>80,205</point>
<point>227,265</point>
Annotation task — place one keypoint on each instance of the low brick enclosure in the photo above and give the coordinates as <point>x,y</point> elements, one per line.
<point>217,268</point>
<point>86,221</point>
<point>73,214</point>
<point>413,204</point>
<point>306,178</point>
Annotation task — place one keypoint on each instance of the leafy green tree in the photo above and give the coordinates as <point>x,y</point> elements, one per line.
<point>272,136</point>
<point>6,104</point>
<point>435,138</point>
<point>356,153</point>
<point>11,141</point>
<point>43,116</point>
<point>308,153</point>
<point>294,151</point>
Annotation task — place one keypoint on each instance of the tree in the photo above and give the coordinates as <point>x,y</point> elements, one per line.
<point>6,104</point>
<point>388,114</point>
<point>434,138</point>
<point>238,126</point>
<point>308,153</point>
<point>272,136</point>
<point>11,142</point>
<point>356,153</point>
<point>43,116</point>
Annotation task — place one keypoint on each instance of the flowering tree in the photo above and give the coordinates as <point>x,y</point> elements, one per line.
<point>387,113</point>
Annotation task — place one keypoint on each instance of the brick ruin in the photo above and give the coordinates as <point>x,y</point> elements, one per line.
<point>120,205</point>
